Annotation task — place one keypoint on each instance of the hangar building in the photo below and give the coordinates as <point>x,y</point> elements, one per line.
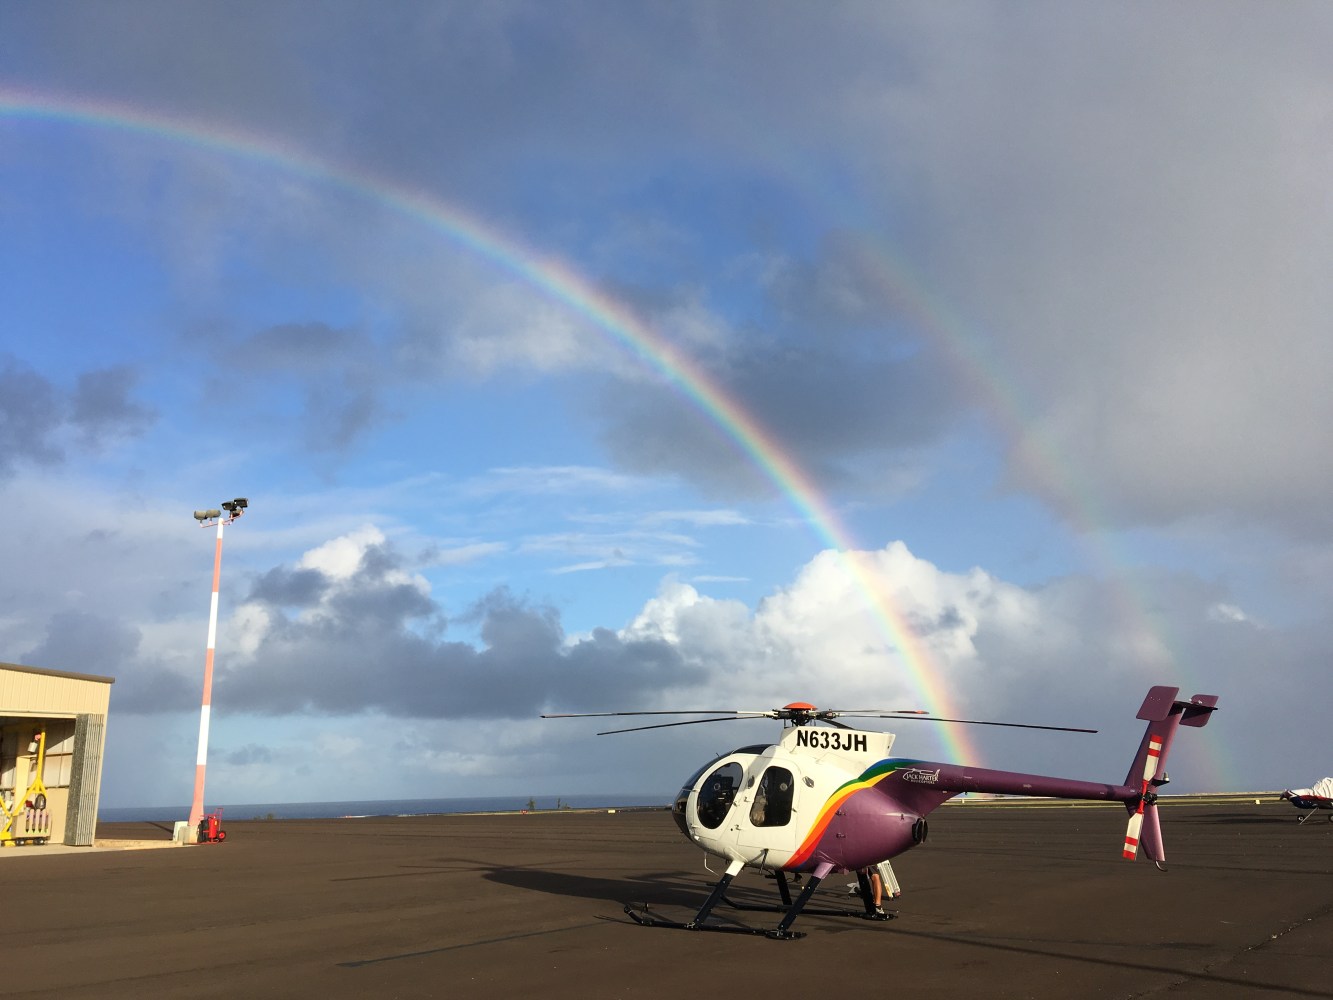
<point>52,733</point>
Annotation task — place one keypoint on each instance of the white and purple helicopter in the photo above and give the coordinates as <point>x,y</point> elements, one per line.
<point>1319,796</point>
<point>832,800</point>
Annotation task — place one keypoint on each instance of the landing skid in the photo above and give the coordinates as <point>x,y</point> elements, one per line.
<point>646,918</point>
<point>643,915</point>
<point>1302,819</point>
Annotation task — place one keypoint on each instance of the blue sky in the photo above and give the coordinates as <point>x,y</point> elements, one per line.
<point>1035,297</point>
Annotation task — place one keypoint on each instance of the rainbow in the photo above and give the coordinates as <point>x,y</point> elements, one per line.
<point>563,284</point>
<point>996,391</point>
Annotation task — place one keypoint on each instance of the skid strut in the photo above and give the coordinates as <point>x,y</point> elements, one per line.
<point>790,908</point>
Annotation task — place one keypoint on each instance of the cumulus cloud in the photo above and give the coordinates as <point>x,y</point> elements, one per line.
<point>350,630</point>
<point>1075,651</point>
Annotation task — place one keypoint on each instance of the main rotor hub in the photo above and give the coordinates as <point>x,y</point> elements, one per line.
<point>800,713</point>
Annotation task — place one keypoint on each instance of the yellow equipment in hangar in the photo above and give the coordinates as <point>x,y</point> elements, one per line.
<point>52,734</point>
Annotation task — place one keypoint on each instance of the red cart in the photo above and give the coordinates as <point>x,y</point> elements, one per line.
<point>210,828</point>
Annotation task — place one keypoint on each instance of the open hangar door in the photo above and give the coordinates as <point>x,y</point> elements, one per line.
<point>52,735</point>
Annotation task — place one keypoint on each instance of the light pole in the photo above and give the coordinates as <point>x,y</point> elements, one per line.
<point>234,508</point>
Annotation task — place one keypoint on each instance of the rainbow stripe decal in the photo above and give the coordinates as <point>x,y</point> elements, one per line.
<point>868,778</point>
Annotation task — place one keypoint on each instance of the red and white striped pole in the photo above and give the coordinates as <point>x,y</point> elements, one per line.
<point>234,509</point>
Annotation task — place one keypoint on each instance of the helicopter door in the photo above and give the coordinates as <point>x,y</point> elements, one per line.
<point>769,824</point>
<point>717,793</point>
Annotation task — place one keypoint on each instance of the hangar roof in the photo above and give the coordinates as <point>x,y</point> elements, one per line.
<point>56,673</point>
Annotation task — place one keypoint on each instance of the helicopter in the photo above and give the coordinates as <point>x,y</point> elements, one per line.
<point>833,800</point>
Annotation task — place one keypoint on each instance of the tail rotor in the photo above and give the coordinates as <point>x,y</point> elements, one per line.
<point>1146,799</point>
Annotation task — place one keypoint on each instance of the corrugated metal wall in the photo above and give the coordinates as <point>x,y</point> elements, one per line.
<point>85,781</point>
<point>31,692</point>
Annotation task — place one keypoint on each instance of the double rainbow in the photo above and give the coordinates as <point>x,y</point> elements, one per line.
<point>559,281</point>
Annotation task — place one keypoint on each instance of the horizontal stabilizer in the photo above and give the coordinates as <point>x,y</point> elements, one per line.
<point>1157,706</point>
<point>1200,707</point>
<point>1161,701</point>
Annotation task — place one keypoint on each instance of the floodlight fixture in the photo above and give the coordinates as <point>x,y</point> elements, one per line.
<point>201,515</point>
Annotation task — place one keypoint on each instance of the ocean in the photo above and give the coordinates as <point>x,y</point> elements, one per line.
<point>379,807</point>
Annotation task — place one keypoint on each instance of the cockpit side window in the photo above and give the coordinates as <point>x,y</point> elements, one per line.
<point>717,793</point>
<point>773,798</point>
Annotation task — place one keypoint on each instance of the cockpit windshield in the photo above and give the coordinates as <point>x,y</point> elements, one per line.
<point>708,793</point>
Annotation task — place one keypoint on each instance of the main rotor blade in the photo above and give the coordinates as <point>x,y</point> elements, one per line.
<point>679,711</point>
<point>978,722</point>
<point>668,725</point>
<point>733,712</point>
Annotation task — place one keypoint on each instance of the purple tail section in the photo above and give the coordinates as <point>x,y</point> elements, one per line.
<point>925,786</point>
<point>1164,714</point>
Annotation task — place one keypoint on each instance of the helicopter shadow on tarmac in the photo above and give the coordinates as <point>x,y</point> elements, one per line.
<point>651,889</point>
<point>668,888</point>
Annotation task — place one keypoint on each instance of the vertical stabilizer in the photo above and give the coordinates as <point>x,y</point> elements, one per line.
<point>1164,715</point>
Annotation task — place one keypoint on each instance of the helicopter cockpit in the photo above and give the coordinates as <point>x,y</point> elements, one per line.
<point>708,796</point>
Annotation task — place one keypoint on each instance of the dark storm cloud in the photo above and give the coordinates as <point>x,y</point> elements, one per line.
<point>251,753</point>
<point>843,289</point>
<point>528,83</point>
<point>157,53</point>
<point>849,423</point>
<point>303,348</point>
<point>364,657</point>
<point>282,587</point>
<point>371,642</point>
<point>30,414</point>
<point>1143,264</point>
<point>147,688</point>
<point>338,414</point>
<point>101,406</point>
<point>339,374</point>
<point>35,413</point>
<point>87,643</point>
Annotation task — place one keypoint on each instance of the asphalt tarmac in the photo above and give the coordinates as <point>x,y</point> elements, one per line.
<point>1000,902</point>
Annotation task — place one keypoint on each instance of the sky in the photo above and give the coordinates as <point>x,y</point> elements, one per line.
<point>586,356</point>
